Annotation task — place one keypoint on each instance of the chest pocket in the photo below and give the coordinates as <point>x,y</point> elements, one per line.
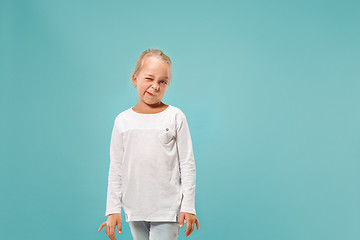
<point>166,136</point>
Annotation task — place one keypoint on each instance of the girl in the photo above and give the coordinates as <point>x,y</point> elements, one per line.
<point>152,168</point>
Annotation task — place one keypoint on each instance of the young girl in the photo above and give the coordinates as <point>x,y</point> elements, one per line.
<point>152,168</point>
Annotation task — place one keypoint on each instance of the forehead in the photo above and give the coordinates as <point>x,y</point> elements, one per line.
<point>153,64</point>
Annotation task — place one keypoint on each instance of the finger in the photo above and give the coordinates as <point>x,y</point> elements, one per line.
<point>197,224</point>
<point>188,228</point>
<point>112,230</point>
<point>182,217</point>
<point>192,228</point>
<point>102,225</point>
<point>119,227</point>
<point>107,231</point>
<point>113,237</point>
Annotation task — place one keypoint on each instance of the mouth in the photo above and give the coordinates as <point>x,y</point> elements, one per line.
<point>150,94</point>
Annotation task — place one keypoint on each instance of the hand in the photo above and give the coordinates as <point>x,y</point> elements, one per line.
<point>113,221</point>
<point>190,221</point>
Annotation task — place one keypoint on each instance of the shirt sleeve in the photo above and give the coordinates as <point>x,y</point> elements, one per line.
<point>187,166</point>
<point>113,203</point>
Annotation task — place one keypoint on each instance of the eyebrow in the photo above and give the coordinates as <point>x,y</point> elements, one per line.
<point>153,76</point>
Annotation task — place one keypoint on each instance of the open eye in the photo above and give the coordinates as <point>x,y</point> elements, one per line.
<point>164,82</point>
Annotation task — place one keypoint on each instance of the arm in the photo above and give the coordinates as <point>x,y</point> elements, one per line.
<point>187,166</point>
<point>113,204</point>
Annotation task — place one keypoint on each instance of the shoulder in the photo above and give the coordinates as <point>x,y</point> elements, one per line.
<point>178,112</point>
<point>180,117</point>
<point>123,115</point>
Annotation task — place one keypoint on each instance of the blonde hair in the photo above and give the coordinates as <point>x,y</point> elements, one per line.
<point>152,53</point>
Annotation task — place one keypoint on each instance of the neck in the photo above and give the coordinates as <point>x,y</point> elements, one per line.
<point>149,108</point>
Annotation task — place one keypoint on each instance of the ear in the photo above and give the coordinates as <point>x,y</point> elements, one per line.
<point>134,80</point>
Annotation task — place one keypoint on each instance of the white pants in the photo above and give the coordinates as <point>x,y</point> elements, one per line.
<point>143,230</point>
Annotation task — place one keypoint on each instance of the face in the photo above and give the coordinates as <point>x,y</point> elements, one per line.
<point>152,81</point>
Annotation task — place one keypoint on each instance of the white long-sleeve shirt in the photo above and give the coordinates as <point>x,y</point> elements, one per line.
<point>152,171</point>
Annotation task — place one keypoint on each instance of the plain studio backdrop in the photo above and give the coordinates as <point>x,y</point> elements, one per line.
<point>271,91</point>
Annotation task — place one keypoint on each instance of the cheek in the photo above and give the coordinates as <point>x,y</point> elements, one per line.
<point>147,85</point>
<point>144,87</point>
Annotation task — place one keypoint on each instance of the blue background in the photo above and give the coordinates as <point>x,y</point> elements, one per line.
<point>270,90</point>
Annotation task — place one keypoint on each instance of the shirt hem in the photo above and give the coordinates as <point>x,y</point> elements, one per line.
<point>172,218</point>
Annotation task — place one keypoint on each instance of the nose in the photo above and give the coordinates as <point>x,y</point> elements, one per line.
<point>155,86</point>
